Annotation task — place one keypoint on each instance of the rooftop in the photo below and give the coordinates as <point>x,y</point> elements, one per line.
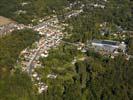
<point>106,42</point>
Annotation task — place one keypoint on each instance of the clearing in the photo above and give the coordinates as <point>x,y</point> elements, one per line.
<point>4,21</point>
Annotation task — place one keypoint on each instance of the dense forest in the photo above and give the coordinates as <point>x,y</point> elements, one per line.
<point>115,12</point>
<point>80,76</point>
<point>117,15</point>
<point>31,10</point>
<point>92,77</point>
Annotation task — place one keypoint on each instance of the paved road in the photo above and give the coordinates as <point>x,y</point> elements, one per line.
<point>30,66</point>
<point>74,44</point>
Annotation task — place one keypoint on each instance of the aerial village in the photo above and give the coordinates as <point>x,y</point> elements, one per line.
<point>51,32</point>
<point>51,36</point>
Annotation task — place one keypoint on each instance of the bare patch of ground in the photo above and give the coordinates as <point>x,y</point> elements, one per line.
<point>4,21</point>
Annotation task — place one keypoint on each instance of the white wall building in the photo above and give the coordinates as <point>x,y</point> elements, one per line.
<point>108,45</point>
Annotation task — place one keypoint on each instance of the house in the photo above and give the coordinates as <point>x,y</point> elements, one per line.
<point>53,76</point>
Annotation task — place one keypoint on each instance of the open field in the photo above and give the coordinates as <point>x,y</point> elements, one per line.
<point>4,21</point>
